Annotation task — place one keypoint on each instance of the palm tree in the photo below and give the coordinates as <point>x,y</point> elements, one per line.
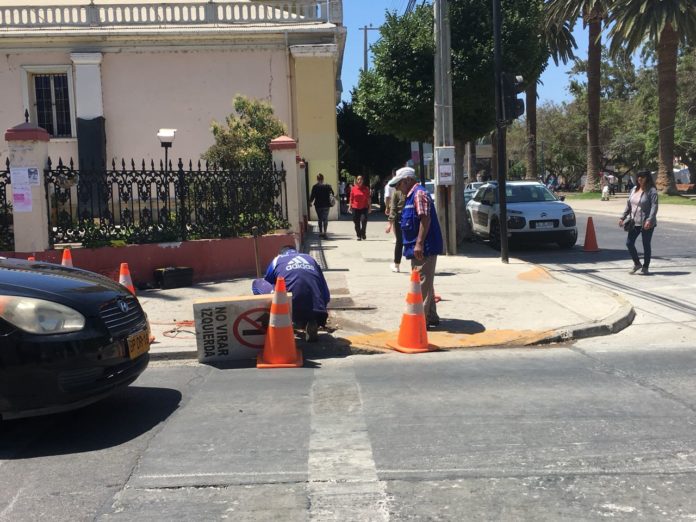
<point>560,42</point>
<point>593,13</point>
<point>666,23</point>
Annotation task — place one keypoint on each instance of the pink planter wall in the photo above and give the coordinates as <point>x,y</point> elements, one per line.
<point>210,258</point>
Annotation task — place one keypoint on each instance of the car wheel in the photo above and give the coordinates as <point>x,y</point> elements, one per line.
<point>494,235</point>
<point>569,240</point>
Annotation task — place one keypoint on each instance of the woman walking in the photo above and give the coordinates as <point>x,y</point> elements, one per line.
<point>639,219</point>
<point>359,206</point>
<point>396,206</point>
<point>321,196</point>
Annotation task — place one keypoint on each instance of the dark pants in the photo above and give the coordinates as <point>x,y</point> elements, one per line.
<point>399,247</point>
<point>360,221</point>
<point>631,245</point>
<point>322,218</point>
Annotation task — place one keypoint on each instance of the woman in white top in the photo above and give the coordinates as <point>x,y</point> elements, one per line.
<point>641,207</point>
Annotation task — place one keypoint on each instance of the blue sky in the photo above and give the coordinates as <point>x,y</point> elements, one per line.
<point>359,13</point>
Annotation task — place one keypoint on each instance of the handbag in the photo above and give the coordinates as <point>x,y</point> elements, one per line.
<point>332,200</point>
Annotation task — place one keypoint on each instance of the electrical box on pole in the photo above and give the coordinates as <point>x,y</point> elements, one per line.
<point>444,166</point>
<point>513,107</point>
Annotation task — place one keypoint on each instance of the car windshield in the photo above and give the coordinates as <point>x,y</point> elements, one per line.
<point>528,194</point>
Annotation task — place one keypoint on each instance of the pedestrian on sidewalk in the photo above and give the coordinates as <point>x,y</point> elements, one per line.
<point>639,218</point>
<point>422,237</point>
<point>388,191</point>
<point>359,205</point>
<point>396,207</point>
<point>306,282</point>
<point>322,195</point>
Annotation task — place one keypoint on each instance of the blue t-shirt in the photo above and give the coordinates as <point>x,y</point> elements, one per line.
<point>304,278</point>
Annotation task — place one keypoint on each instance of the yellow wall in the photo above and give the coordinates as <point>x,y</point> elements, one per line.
<point>314,89</point>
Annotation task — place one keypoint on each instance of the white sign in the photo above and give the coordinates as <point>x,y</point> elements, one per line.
<point>231,328</point>
<point>446,175</point>
<point>24,175</point>
<point>21,198</point>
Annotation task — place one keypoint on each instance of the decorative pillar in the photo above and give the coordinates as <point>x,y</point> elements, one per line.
<point>314,73</point>
<point>284,151</point>
<point>88,85</point>
<point>28,152</point>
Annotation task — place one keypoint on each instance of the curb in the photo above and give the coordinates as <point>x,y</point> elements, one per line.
<point>614,323</point>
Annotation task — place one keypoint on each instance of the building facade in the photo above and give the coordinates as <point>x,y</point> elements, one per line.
<point>102,77</point>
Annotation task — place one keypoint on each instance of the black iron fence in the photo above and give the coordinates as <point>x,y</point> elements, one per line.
<point>144,204</point>
<point>6,228</point>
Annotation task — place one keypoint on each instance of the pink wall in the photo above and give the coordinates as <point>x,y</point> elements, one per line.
<point>210,258</point>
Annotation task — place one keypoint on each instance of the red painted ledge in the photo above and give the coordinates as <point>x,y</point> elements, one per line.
<point>211,259</point>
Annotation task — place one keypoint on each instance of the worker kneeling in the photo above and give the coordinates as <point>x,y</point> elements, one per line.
<point>305,280</point>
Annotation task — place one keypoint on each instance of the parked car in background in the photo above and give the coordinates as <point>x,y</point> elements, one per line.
<point>430,187</point>
<point>534,214</point>
<point>471,188</point>
<point>68,338</point>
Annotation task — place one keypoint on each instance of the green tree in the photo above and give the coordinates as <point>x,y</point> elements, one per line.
<point>396,97</point>
<point>685,128</point>
<point>362,152</point>
<point>243,139</point>
<point>560,45</point>
<point>593,13</point>
<point>666,24</point>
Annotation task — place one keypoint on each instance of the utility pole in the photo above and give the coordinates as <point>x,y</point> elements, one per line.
<point>444,127</point>
<point>500,134</point>
<point>365,46</point>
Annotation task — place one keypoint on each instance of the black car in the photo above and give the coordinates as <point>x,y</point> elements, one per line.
<point>68,337</point>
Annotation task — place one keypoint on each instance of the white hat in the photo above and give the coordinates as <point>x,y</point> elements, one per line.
<point>401,174</point>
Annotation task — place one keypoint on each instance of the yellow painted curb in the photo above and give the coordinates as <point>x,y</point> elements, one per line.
<point>450,341</point>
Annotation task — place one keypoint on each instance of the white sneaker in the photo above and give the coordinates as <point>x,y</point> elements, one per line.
<point>394,267</point>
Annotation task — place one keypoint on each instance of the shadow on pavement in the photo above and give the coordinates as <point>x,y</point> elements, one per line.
<point>110,422</point>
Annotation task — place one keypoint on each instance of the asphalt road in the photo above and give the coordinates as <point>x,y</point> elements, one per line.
<point>525,434</point>
<point>602,428</point>
<point>668,296</point>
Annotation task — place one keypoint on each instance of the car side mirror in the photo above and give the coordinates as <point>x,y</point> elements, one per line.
<point>562,198</point>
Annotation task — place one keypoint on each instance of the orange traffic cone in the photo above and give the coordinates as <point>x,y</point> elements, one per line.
<point>124,278</point>
<point>413,335</point>
<point>279,350</point>
<point>590,238</point>
<point>67,258</point>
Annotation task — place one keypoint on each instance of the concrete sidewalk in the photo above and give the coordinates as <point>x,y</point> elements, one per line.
<point>485,303</point>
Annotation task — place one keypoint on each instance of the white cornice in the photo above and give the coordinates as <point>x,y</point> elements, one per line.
<point>86,58</point>
<point>314,51</point>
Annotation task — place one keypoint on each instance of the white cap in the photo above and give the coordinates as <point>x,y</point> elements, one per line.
<point>401,174</point>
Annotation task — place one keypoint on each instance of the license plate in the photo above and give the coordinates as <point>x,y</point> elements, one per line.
<point>138,344</point>
<point>544,224</point>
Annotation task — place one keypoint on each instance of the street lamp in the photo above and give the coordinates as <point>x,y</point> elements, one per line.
<point>166,137</point>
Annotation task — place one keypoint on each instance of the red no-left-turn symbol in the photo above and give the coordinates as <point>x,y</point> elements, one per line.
<point>250,327</point>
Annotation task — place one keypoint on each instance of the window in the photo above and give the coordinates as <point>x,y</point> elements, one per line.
<point>49,98</point>
<point>52,102</point>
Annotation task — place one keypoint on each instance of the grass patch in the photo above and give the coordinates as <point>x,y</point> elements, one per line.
<point>663,199</point>
<point>581,195</point>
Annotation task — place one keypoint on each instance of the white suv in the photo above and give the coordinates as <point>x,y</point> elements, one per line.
<point>534,214</point>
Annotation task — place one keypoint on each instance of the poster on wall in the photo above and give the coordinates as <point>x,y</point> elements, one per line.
<point>21,198</point>
<point>24,175</point>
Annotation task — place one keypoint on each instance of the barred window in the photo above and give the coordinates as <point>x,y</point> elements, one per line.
<point>52,103</point>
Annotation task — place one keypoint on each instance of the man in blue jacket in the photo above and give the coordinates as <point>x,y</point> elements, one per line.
<point>304,278</point>
<point>422,237</point>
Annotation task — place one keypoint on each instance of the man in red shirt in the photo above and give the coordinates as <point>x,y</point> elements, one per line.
<point>359,206</point>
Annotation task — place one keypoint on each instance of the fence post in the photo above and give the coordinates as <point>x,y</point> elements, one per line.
<point>28,152</point>
<point>284,151</point>
<point>183,194</point>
